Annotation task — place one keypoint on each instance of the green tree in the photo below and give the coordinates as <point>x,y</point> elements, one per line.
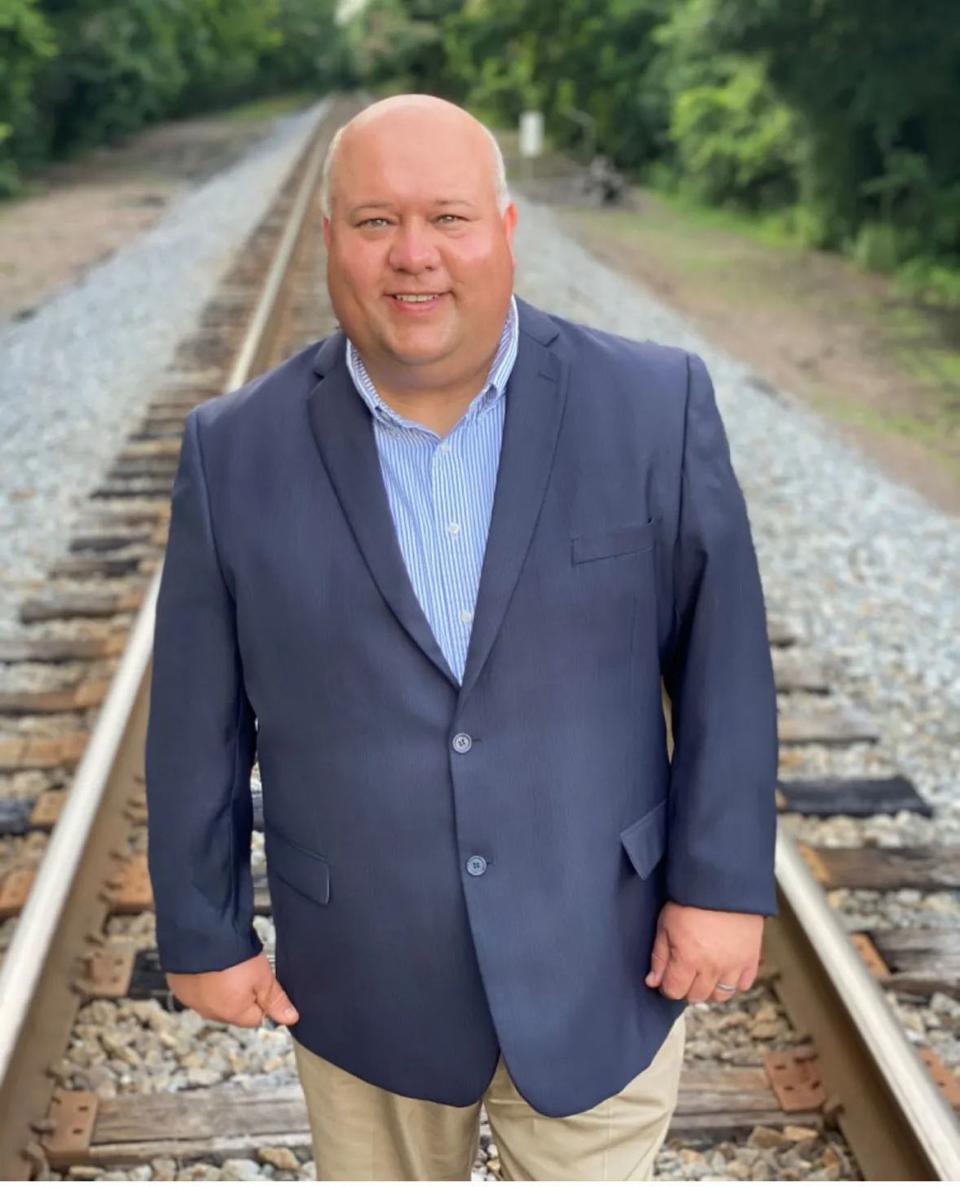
<point>875,87</point>
<point>734,144</point>
<point>309,51</point>
<point>598,58</point>
<point>26,42</point>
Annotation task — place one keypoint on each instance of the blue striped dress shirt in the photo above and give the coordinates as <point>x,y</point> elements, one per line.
<point>441,493</point>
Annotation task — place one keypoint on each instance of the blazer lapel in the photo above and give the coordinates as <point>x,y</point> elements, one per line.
<point>536,393</point>
<point>344,434</point>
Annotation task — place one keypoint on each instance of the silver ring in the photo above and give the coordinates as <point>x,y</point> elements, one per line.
<point>726,988</point>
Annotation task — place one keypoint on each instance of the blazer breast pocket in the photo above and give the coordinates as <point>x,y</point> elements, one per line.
<point>596,545</point>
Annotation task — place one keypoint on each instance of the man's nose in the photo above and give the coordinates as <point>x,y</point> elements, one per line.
<point>412,248</point>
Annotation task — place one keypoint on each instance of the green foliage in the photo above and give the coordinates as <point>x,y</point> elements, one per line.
<point>734,142</point>
<point>26,42</point>
<point>882,247</point>
<point>576,59</point>
<point>75,73</point>
<point>875,83</point>
<point>930,281</point>
<point>385,44</point>
<point>119,66</point>
<point>308,50</point>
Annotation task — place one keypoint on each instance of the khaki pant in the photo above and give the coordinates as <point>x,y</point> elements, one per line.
<point>360,1131</point>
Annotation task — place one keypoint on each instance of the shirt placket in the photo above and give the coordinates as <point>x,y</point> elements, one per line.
<point>453,524</point>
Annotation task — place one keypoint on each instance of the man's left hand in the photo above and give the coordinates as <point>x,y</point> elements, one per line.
<point>694,949</point>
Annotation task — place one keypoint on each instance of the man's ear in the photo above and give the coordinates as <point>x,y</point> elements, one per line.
<point>509,227</point>
<point>325,225</point>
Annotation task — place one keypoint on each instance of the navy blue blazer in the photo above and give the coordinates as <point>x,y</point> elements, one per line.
<point>456,871</point>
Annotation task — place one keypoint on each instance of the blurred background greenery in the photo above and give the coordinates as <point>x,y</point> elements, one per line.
<point>835,121</point>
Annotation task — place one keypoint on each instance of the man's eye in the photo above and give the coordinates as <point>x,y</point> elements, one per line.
<point>368,222</point>
<point>455,217</point>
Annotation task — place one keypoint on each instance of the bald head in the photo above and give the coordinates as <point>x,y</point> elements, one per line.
<point>419,116</point>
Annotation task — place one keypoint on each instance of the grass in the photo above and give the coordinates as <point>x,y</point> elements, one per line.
<point>772,229</point>
<point>269,107</point>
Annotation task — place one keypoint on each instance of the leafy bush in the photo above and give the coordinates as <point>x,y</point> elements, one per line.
<point>882,247</point>
<point>933,282</point>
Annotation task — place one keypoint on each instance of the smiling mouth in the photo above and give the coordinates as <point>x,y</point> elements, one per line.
<point>415,302</point>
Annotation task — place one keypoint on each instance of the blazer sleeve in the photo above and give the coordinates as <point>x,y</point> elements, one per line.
<point>201,741</point>
<point>719,677</point>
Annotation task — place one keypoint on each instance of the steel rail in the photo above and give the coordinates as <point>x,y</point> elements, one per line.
<point>898,1123</point>
<point>60,916</point>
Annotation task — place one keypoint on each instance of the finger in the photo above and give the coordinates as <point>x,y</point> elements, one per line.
<point>701,987</point>
<point>747,977</point>
<point>727,977</point>
<point>659,957</point>
<point>251,1016</point>
<point>677,979</point>
<point>277,1005</point>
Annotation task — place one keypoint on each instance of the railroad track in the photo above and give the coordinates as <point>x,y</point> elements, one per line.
<point>75,892</point>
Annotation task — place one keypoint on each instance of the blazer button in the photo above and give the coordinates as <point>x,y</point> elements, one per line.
<point>462,743</point>
<point>476,865</point>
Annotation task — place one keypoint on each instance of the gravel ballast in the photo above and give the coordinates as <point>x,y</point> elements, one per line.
<point>75,377</point>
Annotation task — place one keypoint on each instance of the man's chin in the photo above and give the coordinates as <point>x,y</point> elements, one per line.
<point>410,353</point>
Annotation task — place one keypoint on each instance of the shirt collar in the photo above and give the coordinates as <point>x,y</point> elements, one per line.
<point>493,387</point>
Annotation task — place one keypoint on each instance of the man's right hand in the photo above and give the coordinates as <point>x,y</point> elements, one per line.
<point>242,995</point>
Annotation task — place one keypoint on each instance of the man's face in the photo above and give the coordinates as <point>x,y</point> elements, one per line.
<point>414,215</point>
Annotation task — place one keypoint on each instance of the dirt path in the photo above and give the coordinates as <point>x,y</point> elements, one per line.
<point>83,211</point>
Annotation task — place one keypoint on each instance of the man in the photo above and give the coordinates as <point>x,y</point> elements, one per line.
<point>432,572</point>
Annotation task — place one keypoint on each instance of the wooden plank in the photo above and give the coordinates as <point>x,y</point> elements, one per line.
<point>101,566</point>
<point>47,650</point>
<point>150,449</point>
<point>159,429</point>
<point>231,1120</point>
<point>148,514</point>
<point>71,698</point>
<point>143,467</point>
<point>80,603</point>
<point>852,797</point>
<point>932,867</point>
<point>41,753</point>
<point>132,489</point>
<point>794,672</point>
<point>830,726</point>
<point>109,541</point>
<point>920,959</point>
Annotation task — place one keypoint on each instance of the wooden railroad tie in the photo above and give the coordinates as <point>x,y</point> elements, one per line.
<point>55,650</point>
<point>918,960</point>
<point>850,797</point>
<point>233,1121</point>
<point>874,867</point>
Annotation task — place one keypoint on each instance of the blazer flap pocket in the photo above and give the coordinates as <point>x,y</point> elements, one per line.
<point>592,546</point>
<point>301,868</point>
<point>646,839</point>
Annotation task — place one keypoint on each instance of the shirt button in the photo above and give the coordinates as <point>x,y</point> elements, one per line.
<point>466,616</point>
<point>453,528</point>
<point>476,865</point>
<point>444,446</point>
<point>462,743</point>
